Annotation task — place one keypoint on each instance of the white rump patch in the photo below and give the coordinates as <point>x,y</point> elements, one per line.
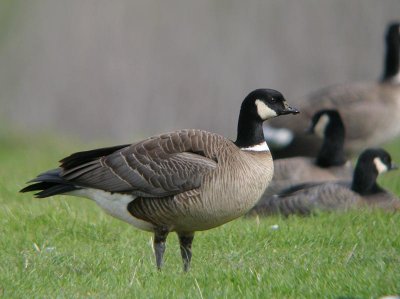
<point>115,204</point>
<point>380,166</point>
<point>320,126</point>
<point>262,147</point>
<point>264,111</point>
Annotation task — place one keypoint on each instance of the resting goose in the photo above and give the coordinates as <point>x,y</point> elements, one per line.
<point>363,190</point>
<point>370,110</point>
<point>329,165</point>
<point>184,181</point>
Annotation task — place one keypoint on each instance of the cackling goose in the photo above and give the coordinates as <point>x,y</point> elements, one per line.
<point>184,181</point>
<point>363,190</point>
<point>370,110</point>
<point>330,164</point>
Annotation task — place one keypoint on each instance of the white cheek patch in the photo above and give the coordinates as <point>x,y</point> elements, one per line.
<point>319,128</point>
<point>264,111</point>
<point>380,166</point>
<point>262,147</point>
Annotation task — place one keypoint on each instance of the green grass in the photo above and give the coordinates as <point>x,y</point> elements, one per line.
<point>67,247</point>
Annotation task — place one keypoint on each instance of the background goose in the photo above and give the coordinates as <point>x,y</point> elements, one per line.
<point>184,181</point>
<point>370,110</point>
<point>363,190</point>
<point>330,164</point>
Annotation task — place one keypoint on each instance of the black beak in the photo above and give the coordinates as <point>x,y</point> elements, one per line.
<point>289,110</point>
<point>393,166</point>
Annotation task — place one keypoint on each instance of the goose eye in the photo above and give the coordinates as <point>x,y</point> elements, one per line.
<point>273,100</point>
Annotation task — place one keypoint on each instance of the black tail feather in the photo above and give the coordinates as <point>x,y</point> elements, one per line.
<point>36,187</point>
<point>48,189</point>
<point>52,182</point>
<point>49,183</point>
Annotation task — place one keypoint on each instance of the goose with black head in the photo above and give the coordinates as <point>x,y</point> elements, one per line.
<point>362,191</point>
<point>370,110</point>
<point>183,181</point>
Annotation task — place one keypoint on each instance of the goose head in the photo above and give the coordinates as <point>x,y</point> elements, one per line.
<point>370,164</point>
<point>328,125</point>
<point>383,162</point>
<point>393,33</point>
<point>392,58</point>
<point>258,106</point>
<point>263,104</point>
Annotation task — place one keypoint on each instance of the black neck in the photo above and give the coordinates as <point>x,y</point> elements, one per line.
<point>392,60</point>
<point>332,150</point>
<point>249,132</point>
<point>364,180</point>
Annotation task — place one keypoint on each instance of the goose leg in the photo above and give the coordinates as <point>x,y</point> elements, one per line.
<point>185,241</point>
<point>160,236</point>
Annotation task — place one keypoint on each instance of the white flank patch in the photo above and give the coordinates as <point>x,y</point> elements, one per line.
<point>320,126</point>
<point>114,204</point>
<point>262,147</point>
<point>264,111</point>
<point>380,166</point>
<point>278,137</point>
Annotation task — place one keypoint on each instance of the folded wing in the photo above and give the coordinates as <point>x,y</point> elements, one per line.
<point>159,166</point>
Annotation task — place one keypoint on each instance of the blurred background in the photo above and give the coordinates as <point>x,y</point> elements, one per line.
<point>123,70</point>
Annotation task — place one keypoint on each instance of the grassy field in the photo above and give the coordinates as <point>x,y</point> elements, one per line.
<point>67,247</point>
